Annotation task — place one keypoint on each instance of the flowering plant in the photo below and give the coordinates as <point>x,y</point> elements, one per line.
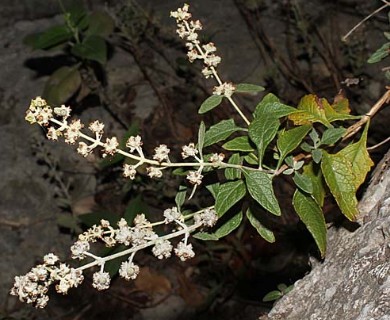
<point>277,139</point>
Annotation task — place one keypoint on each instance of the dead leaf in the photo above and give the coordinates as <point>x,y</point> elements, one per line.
<point>152,283</point>
<point>190,292</point>
<point>84,205</point>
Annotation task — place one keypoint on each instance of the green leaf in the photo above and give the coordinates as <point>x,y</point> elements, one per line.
<point>228,195</point>
<point>339,177</point>
<point>134,207</point>
<point>62,85</point>
<point>262,131</point>
<point>100,24</point>
<point>260,188</point>
<point>317,155</point>
<point>77,14</point>
<point>239,144</point>
<point>231,173</point>
<point>251,159</point>
<point>311,110</point>
<point>289,140</point>
<point>332,135</point>
<point>220,131</point>
<point>230,225</point>
<point>380,54</point>
<point>213,188</point>
<point>318,188</point>
<point>68,221</point>
<point>303,182</point>
<point>332,115</point>
<point>272,106</point>
<point>205,236</point>
<point>248,88</point>
<point>92,48</point>
<point>201,136</point>
<point>51,37</point>
<point>272,296</point>
<point>181,196</point>
<point>359,157</point>
<point>264,232</point>
<point>311,215</point>
<point>210,103</point>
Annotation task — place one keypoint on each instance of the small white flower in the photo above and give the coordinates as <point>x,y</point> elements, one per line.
<point>96,127</point>
<point>111,145</point>
<point>209,217</point>
<point>63,112</point>
<point>207,72</point>
<point>181,13</point>
<point>184,251</point>
<point>73,131</point>
<point>172,214</point>
<point>134,143</point>
<point>83,149</point>
<point>161,153</point>
<point>212,60</point>
<point>154,172</point>
<point>50,259</point>
<point>189,151</point>
<point>129,171</point>
<point>128,270</point>
<point>52,133</point>
<point>79,248</point>
<point>162,249</point>
<point>195,177</point>
<point>101,280</point>
<point>225,89</point>
<point>217,158</point>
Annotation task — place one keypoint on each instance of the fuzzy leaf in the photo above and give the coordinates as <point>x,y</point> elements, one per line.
<point>231,173</point>
<point>272,296</point>
<point>248,88</point>
<point>62,85</point>
<point>264,232</point>
<point>205,236</point>
<point>339,177</point>
<point>317,155</point>
<point>303,182</point>
<point>220,131</point>
<point>228,195</point>
<point>210,103</point>
<point>181,196</point>
<point>271,105</point>
<point>332,135</point>
<point>262,131</point>
<point>289,140</point>
<point>317,183</point>
<point>380,54</point>
<point>201,136</point>
<point>213,188</point>
<point>359,157</point>
<point>92,48</point>
<point>239,144</point>
<point>311,215</point>
<point>260,188</point>
<point>311,110</point>
<point>230,225</point>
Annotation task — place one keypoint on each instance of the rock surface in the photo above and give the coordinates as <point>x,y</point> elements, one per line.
<point>353,283</point>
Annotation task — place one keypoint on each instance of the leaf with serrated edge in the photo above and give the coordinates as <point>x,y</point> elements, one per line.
<point>311,215</point>
<point>228,195</point>
<point>265,233</point>
<point>339,177</point>
<point>271,105</point>
<point>359,157</point>
<point>220,131</point>
<point>289,140</point>
<point>317,182</point>
<point>260,188</point>
<point>230,225</point>
<point>210,103</point>
<point>239,144</point>
<point>248,87</point>
<point>311,110</point>
<point>262,131</point>
<point>332,135</point>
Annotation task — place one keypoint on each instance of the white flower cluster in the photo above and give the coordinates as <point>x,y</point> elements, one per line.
<point>187,29</point>
<point>32,288</point>
<point>225,89</point>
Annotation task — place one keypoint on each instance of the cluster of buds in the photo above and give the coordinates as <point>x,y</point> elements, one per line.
<point>32,288</point>
<point>187,29</point>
